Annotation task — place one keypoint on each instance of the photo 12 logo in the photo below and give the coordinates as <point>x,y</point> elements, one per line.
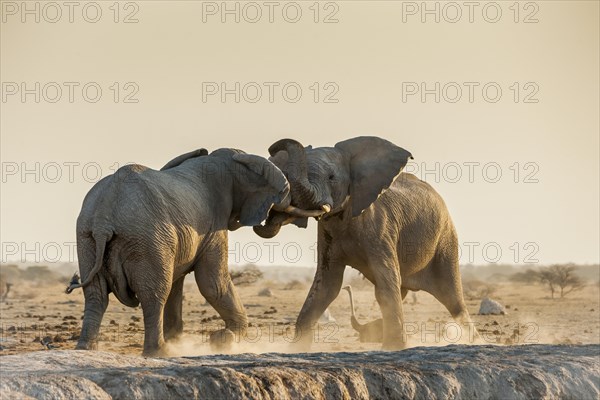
<point>50,252</point>
<point>53,172</point>
<point>53,12</point>
<point>470,252</point>
<point>69,92</point>
<point>252,12</point>
<point>469,92</point>
<point>269,92</point>
<point>475,171</point>
<point>453,12</point>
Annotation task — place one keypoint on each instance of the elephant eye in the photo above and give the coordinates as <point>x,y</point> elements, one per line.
<point>331,177</point>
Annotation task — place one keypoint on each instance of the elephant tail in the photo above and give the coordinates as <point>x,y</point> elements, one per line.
<point>101,240</point>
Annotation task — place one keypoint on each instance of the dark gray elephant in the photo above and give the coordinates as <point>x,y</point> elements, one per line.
<point>392,227</point>
<point>141,231</point>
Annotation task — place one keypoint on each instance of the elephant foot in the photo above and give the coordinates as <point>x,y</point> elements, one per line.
<point>393,345</point>
<point>156,352</point>
<point>87,345</point>
<point>300,341</point>
<point>173,335</point>
<point>222,340</point>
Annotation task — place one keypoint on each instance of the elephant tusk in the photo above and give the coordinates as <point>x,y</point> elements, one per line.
<point>298,212</point>
<point>326,208</point>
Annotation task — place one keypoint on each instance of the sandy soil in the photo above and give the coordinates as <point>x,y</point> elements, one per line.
<point>33,311</point>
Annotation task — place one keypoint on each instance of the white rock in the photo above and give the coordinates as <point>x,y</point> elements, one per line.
<point>491,307</point>
<point>326,317</point>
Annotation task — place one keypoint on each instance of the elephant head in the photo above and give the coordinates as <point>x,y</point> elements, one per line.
<point>327,181</point>
<point>259,183</point>
<point>260,186</point>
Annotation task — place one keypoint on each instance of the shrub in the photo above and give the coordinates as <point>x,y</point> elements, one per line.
<point>246,276</point>
<point>474,289</point>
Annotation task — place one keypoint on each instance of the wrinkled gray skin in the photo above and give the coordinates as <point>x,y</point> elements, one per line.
<point>140,231</point>
<point>394,229</point>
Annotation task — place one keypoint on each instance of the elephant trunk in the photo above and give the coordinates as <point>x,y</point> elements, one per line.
<point>304,194</point>
<point>301,192</point>
<point>272,225</point>
<point>267,231</point>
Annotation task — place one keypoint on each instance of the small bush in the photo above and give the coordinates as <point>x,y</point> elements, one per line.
<point>474,289</point>
<point>246,276</point>
<point>295,285</point>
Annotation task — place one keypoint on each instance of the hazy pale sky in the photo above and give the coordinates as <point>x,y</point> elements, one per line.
<point>501,113</point>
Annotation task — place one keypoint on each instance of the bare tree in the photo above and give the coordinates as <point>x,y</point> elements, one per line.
<point>558,277</point>
<point>547,277</point>
<point>561,277</point>
<point>566,278</point>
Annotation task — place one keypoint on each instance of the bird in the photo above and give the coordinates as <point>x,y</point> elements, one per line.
<point>47,342</point>
<point>371,331</point>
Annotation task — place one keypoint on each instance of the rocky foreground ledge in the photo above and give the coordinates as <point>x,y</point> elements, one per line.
<point>452,372</point>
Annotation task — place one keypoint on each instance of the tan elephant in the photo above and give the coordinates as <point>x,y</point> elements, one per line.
<point>392,227</point>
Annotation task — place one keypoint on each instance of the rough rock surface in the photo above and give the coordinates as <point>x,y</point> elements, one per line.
<point>491,307</point>
<point>451,372</point>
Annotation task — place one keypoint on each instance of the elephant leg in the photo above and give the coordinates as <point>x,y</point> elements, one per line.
<point>447,289</point>
<point>172,316</point>
<point>96,301</point>
<point>213,280</point>
<point>153,321</point>
<point>96,296</point>
<point>152,283</point>
<point>325,288</point>
<point>388,294</point>
<point>451,297</point>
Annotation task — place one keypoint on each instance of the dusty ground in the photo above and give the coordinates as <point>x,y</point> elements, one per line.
<point>34,311</point>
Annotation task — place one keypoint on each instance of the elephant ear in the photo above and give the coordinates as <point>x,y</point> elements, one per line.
<point>374,165</point>
<point>273,188</point>
<point>180,159</point>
